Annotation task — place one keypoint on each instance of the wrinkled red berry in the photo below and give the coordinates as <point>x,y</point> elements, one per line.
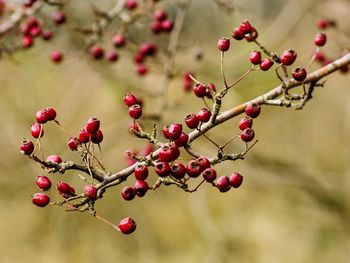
<point>47,34</point>
<point>182,140</point>
<point>200,90</point>
<point>59,17</point>
<point>128,193</point>
<point>112,56</point>
<point>119,40</point>
<point>167,25</point>
<point>92,125</point>
<point>238,33</point>
<point>130,4</point>
<point>165,131</point>
<point>245,27</point>
<point>27,42</point>
<point>162,169</point>
<point>160,14</point>
<point>97,137</point>
<point>56,56</point>
<point>175,130</point>
<point>141,69</point>
<point>73,143</point>
<point>42,116</point>
<point>54,158</point>
<point>203,162</point>
<point>97,52</point>
<point>51,113</point>
<point>84,136</point>
<point>129,100</point>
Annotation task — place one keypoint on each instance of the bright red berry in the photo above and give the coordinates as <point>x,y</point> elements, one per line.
<point>42,116</point>
<point>223,44</point>
<point>56,56</point>
<point>51,113</point>
<point>37,130</point>
<point>245,122</point>
<point>141,188</point>
<point>40,199</point>
<point>191,121</point>
<point>141,172</point>
<point>97,137</point>
<point>27,147</point>
<point>54,158</point>
<point>175,130</point>
<point>27,42</point>
<point>203,162</point>
<point>129,100</point>
<point>236,180</point>
<point>288,57</point>
<point>90,191</point>
<point>119,40</point>
<point>299,74</point>
<point>253,110</point>
<point>238,33</point>
<point>204,115</point>
<point>73,143</point>
<point>127,226</point>
<point>135,111</point>
<point>223,183</point>
<point>162,169</point>
<point>97,52</point>
<point>247,135</point>
<point>200,90</point>
<point>92,125</point>
<point>63,188</point>
<point>178,170</point>
<point>169,153</point>
<point>182,140</point>
<point>84,136</point>
<point>193,169</point>
<point>255,57</point>
<point>320,39</point>
<point>266,64</point>
<point>43,182</point>
<point>209,174</point>
<point>167,25</point>
<point>128,193</point>
<point>245,27</point>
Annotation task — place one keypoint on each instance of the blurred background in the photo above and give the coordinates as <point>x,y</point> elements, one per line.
<point>293,205</point>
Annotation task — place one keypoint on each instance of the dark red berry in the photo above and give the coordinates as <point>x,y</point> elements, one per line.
<point>128,193</point>
<point>56,56</point>
<point>37,130</point>
<point>42,116</point>
<point>162,169</point>
<point>130,4</point>
<point>59,17</point>
<point>204,115</point>
<point>54,158</point>
<point>51,113</point>
<point>223,44</point>
<point>320,39</point>
<point>90,191</point>
<point>253,110</point>
<point>266,64</point>
<point>64,188</point>
<point>247,135</point>
<point>43,182</point>
<point>236,180</point>
<point>177,170</point>
<point>191,121</point>
<point>119,40</point>
<point>245,123</point>
<point>141,69</point>
<point>135,111</point>
<point>193,169</point>
<point>148,49</point>
<point>255,57</point>
<point>97,52</point>
<point>92,125</point>
<point>167,25</point>
<point>238,33</point>
<point>84,136</point>
<point>299,74</point>
<point>129,100</point>
<point>40,199</point>
<point>223,183</point>
<point>97,137</point>
<point>182,140</point>
<point>288,57</point>
<point>141,188</point>
<point>175,130</point>
<point>112,56</point>
<point>160,14</point>
<point>73,143</point>
<point>141,172</point>
<point>166,131</point>
<point>127,226</point>
<point>27,147</point>
<point>209,174</point>
<point>156,27</point>
<point>47,34</point>
<point>203,162</point>
<point>139,58</point>
<point>200,90</point>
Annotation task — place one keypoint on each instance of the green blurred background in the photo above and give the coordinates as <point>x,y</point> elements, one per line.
<point>294,203</point>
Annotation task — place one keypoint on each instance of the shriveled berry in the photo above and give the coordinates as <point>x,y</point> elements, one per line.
<point>119,40</point>
<point>247,135</point>
<point>299,74</point>
<point>200,90</point>
<point>209,174</point>
<point>253,110</point>
<point>37,130</point>
<point>245,122</point>
<point>90,191</point>
<point>162,169</point>
<point>141,188</point>
<point>135,111</point>
<point>127,226</point>
<point>97,52</point>
<point>191,121</point>
<point>42,116</point>
<point>193,169</point>
<point>141,172</point>
<point>223,44</point>
<point>288,57</point>
<point>266,64</point>
<point>182,140</point>
<point>255,57</point>
<point>84,136</point>
<point>56,56</point>
<point>97,137</point>
<point>178,170</point>
<point>223,183</point>
<point>54,158</point>
<point>204,115</point>
<point>27,147</point>
<point>236,180</point>
<point>128,193</point>
<point>129,100</point>
<point>40,199</point>
<point>73,143</point>
<point>43,182</point>
<point>175,130</point>
<point>320,39</point>
<point>203,162</point>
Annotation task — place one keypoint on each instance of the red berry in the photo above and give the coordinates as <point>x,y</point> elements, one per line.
<point>203,162</point>
<point>92,125</point>
<point>223,183</point>
<point>59,17</point>
<point>127,226</point>
<point>209,174</point>
<point>97,52</point>
<point>40,199</point>
<point>139,58</point>
<point>253,110</point>
<point>97,137</point>
<point>35,31</point>
<point>320,39</point>
<point>141,188</point>
<point>245,122</point>
<point>148,49</point>
<point>200,90</point>
<point>90,192</point>
<point>322,23</point>
<point>167,25</point>
<point>210,90</point>
<point>238,33</point>
<point>141,172</point>
<point>130,4</point>
<point>178,170</point>
<point>156,27</point>
<point>64,188</point>
<point>42,116</point>
<point>169,153</point>
<point>119,40</point>
<point>47,34</point>
<point>193,169</point>
<point>247,135</point>
<point>299,74</point>
<point>112,56</point>
<point>128,193</point>
<point>255,57</point>
<point>175,130</point>
<point>27,147</point>
<point>37,130</point>
<point>43,182</point>
<point>160,14</point>
<point>141,69</point>
<point>288,57</point>
<point>135,111</point>
<point>252,35</point>
<point>204,115</point>
<point>245,27</point>
<point>182,140</point>
<point>162,169</point>
<point>129,100</point>
<point>166,131</point>
<point>191,121</point>
<point>54,159</point>
<point>84,136</point>
<point>73,143</point>
<point>223,44</point>
<point>56,56</point>
<point>51,113</point>
<point>187,81</point>
<point>266,64</point>
<point>27,42</point>
<point>236,180</point>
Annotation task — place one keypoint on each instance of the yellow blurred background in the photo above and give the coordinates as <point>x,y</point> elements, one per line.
<point>294,203</point>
